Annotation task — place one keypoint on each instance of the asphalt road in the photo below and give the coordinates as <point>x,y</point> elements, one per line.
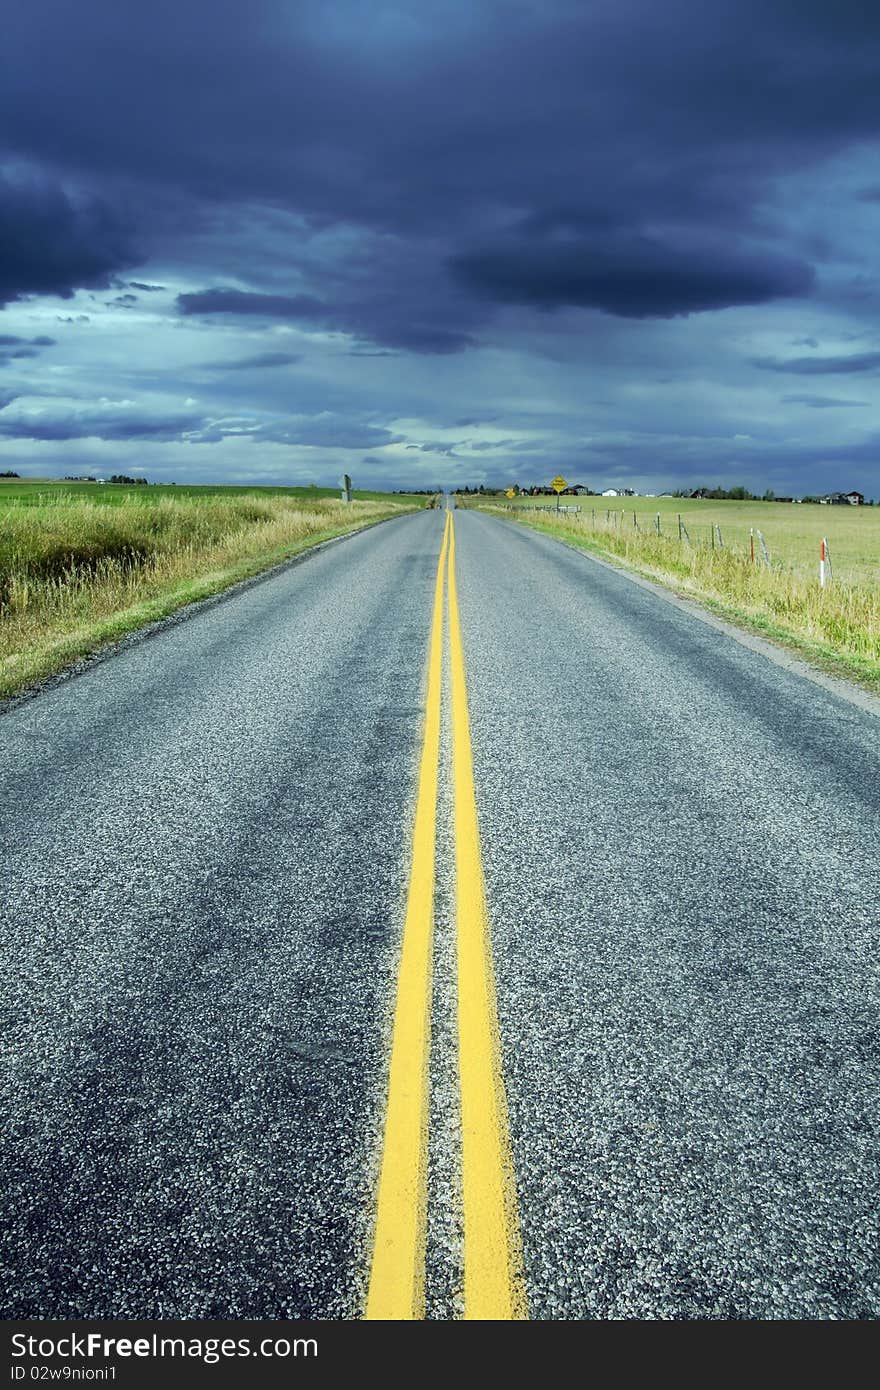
<point>205,855</point>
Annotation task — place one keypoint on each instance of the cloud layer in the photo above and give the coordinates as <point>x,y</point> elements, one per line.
<point>599,235</point>
<point>52,242</point>
<point>635,277</point>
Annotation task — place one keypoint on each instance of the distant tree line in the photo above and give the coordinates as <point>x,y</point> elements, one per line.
<point>725,494</point>
<point>537,491</point>
<point>714,494</point>
<point>116,478</point>
<point>10,474</point>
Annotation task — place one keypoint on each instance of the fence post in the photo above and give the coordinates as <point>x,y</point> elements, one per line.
<point>679,527</point>
<point>764,551</point>
<point>752,543</point>
<point>720,541</point>
<point>824,562</point>
<point>712,535</point>
<point>657,524</point>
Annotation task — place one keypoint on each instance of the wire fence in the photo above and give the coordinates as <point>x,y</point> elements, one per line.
<point>747,543</point>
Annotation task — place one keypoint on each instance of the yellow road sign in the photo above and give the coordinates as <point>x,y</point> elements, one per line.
<point>559,483</point>
<point>510,492</point>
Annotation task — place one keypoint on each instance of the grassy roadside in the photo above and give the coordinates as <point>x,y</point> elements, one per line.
<point>76,575</point>
<point>36,492</point>
<point>836,628</point>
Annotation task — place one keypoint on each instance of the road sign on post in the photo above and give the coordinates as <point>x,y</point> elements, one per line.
<point>558,485</point>
<point>510,492</point>
<point>345,484</point>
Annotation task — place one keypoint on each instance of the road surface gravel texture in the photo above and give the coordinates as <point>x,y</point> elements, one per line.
<point>205,852</point>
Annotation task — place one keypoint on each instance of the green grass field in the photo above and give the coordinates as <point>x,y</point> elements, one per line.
<point>34,492</point>
<point>83,564</point>
<point>837,626</point>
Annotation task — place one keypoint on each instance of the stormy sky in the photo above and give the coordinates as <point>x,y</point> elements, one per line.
<point>274,240</point>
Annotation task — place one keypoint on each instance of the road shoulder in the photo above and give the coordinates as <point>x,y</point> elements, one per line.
<point>119,638</point>
<point>781,651</point>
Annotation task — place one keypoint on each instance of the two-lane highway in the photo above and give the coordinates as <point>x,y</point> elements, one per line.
<point>208,852</point>
<point>204,852</point>
<point>681,852</point>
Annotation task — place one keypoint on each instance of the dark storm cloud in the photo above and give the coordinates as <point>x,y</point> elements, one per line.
<point>147,289</point>
<point>426,179</point>
<point>448,449</point>
<point>618,119</point>
<point>383,321</point>
<point>821,402</point>
<point>510,445</point>
<point>638,277</point>
<point>326,430</point>
<point>13,347</point>
<point>387,117</point>
<point>326,433</point>
<point>54,243</point>
<point>420,338</point>
<point>434,448</point>
<point>54,421</point>
<point>821,366</point>
<point>271,306</point>
<point>259,359</point>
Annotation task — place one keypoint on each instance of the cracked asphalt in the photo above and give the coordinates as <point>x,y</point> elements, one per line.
<point>204,864</point>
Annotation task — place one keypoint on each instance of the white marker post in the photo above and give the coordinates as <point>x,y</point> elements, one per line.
<point>824,563</point>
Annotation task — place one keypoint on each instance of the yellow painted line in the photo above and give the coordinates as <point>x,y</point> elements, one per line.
<point>494,1288</point>
<point>397,1275</point>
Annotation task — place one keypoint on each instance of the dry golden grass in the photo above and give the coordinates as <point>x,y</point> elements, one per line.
<point>74,574</point>
<point>792,532</point>
<point>839,624</point>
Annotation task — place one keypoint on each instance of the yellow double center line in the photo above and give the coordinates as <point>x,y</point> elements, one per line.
<point>493,1283</point>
